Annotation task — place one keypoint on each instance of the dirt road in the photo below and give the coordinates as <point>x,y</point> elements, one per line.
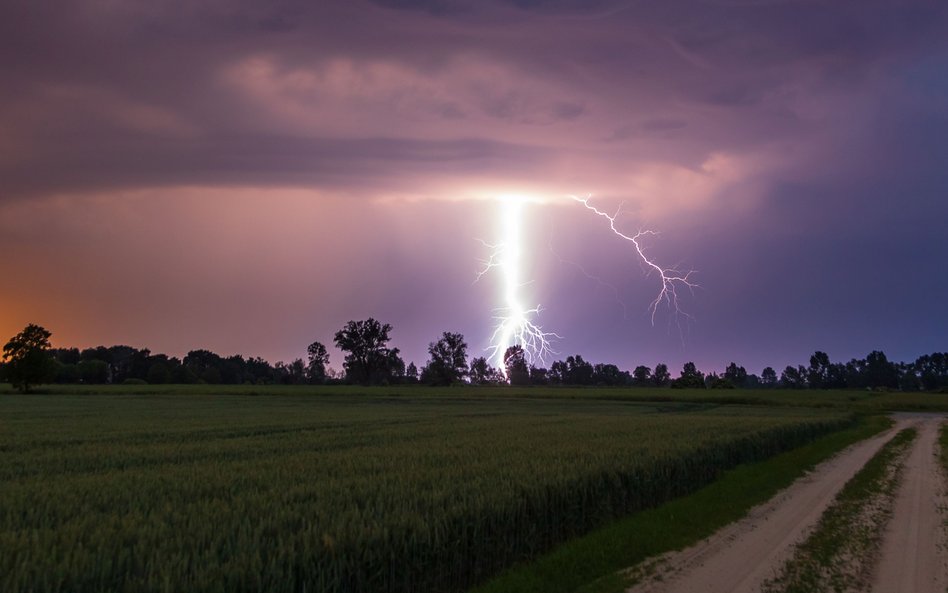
<point>740,557</point>
<point>913,556</point>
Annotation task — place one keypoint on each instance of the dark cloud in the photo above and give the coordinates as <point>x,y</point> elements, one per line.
<point>793,150</point>
<point>163,68</point>
<point>331,163</point>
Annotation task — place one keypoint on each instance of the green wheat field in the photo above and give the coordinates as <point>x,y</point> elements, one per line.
<point>385,491</point>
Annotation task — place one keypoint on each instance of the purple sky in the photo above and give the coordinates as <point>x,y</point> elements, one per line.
<point>246,176</point>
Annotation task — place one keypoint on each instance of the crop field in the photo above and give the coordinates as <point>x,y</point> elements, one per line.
<point>287,492</point>
<point>850,400</point>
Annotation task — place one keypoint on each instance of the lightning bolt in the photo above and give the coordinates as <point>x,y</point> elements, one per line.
<point>514,323</point>
<point>671,279</point>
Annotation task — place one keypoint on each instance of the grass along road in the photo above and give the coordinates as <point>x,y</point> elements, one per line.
<point>869,519</point>
<point>840,553</point>
<point>913,556</point>
<point>597,563</point>
<point>743,555</point>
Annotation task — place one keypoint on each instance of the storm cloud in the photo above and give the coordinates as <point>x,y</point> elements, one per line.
<point>173,171</point>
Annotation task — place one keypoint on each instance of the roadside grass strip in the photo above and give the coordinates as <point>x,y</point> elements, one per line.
<point>943,459</point>
<point>943,446</point>
<point>839,555</point>
<point>599,561</point>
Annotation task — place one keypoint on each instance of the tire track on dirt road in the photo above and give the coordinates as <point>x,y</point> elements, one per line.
<point>741,556</point>
<point>913,556</point>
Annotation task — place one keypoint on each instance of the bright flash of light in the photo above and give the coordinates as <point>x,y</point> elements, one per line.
<point>672,280</point>
<point>514,320</point>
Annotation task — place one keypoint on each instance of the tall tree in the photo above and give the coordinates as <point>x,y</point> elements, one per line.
<point>369,360</point>
<point>818,374</point>
<point>396,369</point>
<point>578,371</point>
<point>205,365</point>
<point>768,378</point>
<point>559,373</point>
<point>27,358</point>
<point>291,373</point>
<point>735,375</point>
<point>880,373</point>
<point>411,373</point>
<point>516,364</point>
<point>855,374</point>
<point>480,371</point>
<point>608,375</point>
<point>908,377</point>
<point>793,378</point>
<point>933,370</point>
<point>539,375</point>
<point>93,371</point>
<point>642,376</point>
<point>317,359</point>
<point>448,363</point>
<point>661,376</point>
<point>690,377</point>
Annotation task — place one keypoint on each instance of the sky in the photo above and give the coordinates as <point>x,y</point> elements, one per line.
<point>247,177</point>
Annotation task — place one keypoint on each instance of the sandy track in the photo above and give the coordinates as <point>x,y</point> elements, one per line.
<point>741,556</point>
<point>913,555</point>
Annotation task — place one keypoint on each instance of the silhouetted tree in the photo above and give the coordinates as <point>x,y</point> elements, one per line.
<point>127,362</point>
<point>713,381</point>
<point>369,360</point>
<point>880,373</point>
<point>258,370</point>
<point>908,377</point>
<point>482,373</point>
<point>66,355</point>
<point>396,367</point>
<point>558,373</point>
<point>642,376</point>
<point>516,364</point>
<point>93,371</point>
<point>932,370</point>
<point>578,371</point>
<point>496,377</point>
<point>448,362</point>
<point>818,373</point>
<point>292,373</point>
<point>608,375</point>
<point>231,370</point>
<point>479,371</point>
<point>539,375</point>
<point>768,378</point>
<point>735,375</point>
<point>204,365</point>
<point>185,376</point>
<point>854,374</point>
<point>66,373</point>
<point>411,373</point>
<point>158,373</point>
<point>690,377</point>
<point>317,360</point>
<point>793,378</point>
<point>27,358</point>
<point>661,376</point>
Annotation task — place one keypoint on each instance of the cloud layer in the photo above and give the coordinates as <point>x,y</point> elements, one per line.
<point>248,177</point>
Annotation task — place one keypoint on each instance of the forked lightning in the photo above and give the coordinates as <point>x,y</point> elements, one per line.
<point>515,322</point>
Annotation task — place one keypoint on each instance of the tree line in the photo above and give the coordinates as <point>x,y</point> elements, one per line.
<point>28,359</point>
